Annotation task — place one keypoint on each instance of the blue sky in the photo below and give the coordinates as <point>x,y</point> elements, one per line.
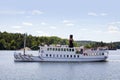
<point>96,20</point>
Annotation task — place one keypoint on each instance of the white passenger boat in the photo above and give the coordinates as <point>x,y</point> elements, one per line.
<point>64,53</point>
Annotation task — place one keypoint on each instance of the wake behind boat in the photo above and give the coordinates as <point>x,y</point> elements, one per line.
<point>64,53</point>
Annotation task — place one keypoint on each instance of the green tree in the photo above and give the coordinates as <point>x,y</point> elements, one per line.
<point>2,44</point>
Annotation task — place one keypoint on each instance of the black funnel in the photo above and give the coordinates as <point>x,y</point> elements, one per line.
<point>71,41</point>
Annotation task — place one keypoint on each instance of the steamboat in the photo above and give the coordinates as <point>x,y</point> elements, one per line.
<point>63,53</point>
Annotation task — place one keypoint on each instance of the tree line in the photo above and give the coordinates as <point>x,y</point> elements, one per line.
<point>94,44</point>
<point>15,41</point>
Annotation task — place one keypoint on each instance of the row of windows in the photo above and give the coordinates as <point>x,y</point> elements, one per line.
<point>60,49</point>
<point>63,56</point>
<point>70,56</point>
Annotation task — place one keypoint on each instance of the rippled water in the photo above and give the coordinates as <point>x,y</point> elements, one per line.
<point>10,70</point>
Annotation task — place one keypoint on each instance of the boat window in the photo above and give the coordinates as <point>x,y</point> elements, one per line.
<point>71,56</point>
<point>53,49</point>
<point>74,56</point>
<point>48,49</point>
<point>102,53</point>
<point>61,49</point>
<point>53,55</point>
<point>67,56</point>
<point>72,49</point>
<point>58,49</point>
<point>57,55</point>
<point>69,49</point>
<point>60,55</point>
<point>77,56</point>
<point>64,49</point>
<point>47,55</point>
<point>50,55</point>
<point>64,55</point>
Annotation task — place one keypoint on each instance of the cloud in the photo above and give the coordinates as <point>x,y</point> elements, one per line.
<point>113,29</point>
<point>68,23</point>
<point>16,12</point>
<point>43,23</point>
<point>36,12</point>
<point>83,29</point>
<point>115,23</point>
<point>52,27</point>
<point>28,16</point>
<point>97,14</point>
<point>103,14</point>
<point>27,24</point>
<point>92,14</point>
<point>15,31</point>
<point>41,33</point>
<point>16,27</point>
<point>98,31</point>
<point>12,12</point>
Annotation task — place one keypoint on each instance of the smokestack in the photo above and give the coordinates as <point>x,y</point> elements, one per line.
<point>71,41</point>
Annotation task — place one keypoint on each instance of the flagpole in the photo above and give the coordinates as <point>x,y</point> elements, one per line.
<point>24,42</point>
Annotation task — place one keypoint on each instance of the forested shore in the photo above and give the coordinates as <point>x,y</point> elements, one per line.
<point>15,41</point>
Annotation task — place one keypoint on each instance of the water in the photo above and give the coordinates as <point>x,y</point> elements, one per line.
<point>10,70</point>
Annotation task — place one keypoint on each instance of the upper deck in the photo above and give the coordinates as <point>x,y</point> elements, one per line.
<point>64,49</point>
<point>57,49</point>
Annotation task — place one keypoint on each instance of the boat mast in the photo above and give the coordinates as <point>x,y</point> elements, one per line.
<point>24,42</point>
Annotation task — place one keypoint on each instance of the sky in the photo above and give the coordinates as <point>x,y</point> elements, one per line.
<point>95,20</point>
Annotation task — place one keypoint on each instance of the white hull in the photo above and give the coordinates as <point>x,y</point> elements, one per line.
<point>24,58</point>
<point>64,54</point>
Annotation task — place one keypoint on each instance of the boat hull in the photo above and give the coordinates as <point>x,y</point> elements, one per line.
<point>26,58</point>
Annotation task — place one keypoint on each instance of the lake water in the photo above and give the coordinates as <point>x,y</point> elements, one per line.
<point>10,70</point>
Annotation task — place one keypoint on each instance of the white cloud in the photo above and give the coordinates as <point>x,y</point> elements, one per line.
<point>12,12</point>
<point>52,27</point>
<point>41,33</point>
<point>17,27</point>
<point>103,14</point>
<point>27,24</point>
<point>113,29</point>
<point>92,14</point>
<point>36,12</point>
<point>98,31</point>
<point>28,16</point>
<point>68,23</point>
<point>115,23</point>
<point>15,31</point>
<point>83,29</point>
<point>43,23</point>
<point>97,14</point>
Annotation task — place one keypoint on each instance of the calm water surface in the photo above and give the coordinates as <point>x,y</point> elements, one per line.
<point>10,70</point>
